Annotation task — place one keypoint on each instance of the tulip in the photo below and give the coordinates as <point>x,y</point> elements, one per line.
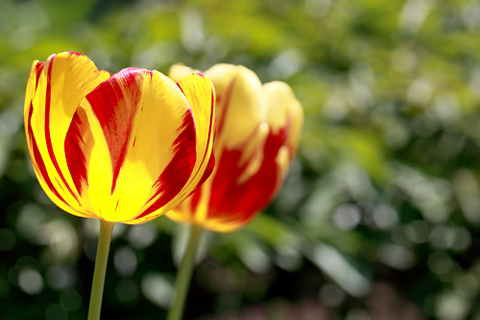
<point>119,148</point>
<point>122,148</point>
<point>258,128</point>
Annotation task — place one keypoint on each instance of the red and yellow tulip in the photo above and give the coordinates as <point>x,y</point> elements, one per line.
<point>125,147</point>
<point>258,128</point>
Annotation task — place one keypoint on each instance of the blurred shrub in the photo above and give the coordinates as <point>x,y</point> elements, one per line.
<point>381,206</point>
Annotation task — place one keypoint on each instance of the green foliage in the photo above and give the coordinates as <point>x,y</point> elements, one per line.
<point>380,213</point>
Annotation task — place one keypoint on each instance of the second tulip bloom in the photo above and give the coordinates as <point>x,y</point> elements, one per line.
<point>258,128</point>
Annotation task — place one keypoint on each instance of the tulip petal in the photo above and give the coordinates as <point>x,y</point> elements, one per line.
<point>139,145</point>
<point>55,90</point>
<point>248,178</point>
<point>241,105</point>
<point>179,71</point>
<point>180,168</point>
<point>201,95</point>
<point>284,112</point>
<point>234,201</point>
<point>37,160</point>
<point>105,74</point>
<point>78,146</point>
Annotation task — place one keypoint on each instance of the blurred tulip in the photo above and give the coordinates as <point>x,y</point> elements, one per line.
<point>121,148</point>
<point>258,128</point>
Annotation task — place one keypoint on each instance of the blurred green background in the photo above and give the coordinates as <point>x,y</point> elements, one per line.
<point>379,217</point>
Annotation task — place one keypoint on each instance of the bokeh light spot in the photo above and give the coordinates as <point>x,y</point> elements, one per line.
<point>125,261</point>
<point>141,236</point>
<point>157,289</point>
<point>347,216</point>
<point>60,277</point>
<point>30,281</point>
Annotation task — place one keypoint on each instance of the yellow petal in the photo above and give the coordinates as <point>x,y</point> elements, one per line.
<point>105,74</point>
<point>179,71</point>
<point>241,105</point>
<point>54,93</point>
<point>144,145</point>
<point>201,96</point>
<point>37,160</point>
<point>284,110</point>
<point>280,97</point>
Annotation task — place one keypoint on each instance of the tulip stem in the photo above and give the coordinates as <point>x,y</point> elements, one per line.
<point>184,274</point>
<point>103,248</point>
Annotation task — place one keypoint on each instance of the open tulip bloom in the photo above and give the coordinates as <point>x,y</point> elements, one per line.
<point>125,147</point>
<point>258,128</point>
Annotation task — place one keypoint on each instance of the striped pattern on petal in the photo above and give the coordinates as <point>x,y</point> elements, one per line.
<point>258,127</point>
<point>137,134</point>
<point>201,95</point>
<point>54,91</point>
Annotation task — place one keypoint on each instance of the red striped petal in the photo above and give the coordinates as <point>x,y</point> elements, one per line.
<point>37,160</point>
<point>236,203</point>
<point>115,110</point>
<point>180,168</point>
<point>48,138</point>
<point>78,144</point>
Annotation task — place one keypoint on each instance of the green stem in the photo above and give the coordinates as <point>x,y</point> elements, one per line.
<point>182,283</point>
<point>103,248</point>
